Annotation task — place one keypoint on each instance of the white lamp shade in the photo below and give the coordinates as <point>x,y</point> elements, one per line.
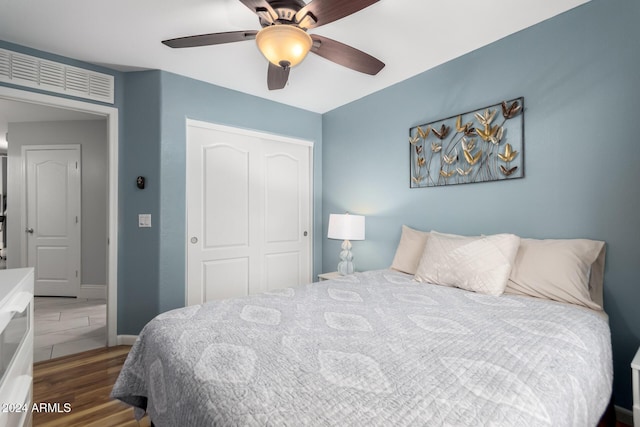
<point>346,227</point>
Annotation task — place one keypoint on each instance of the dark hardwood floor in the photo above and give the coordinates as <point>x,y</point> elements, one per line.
<point>84,381</point>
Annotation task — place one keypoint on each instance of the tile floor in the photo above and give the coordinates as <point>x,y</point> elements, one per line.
<point>66,326</point>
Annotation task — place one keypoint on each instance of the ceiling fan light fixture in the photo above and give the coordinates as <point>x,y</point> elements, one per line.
<point>284,45</point>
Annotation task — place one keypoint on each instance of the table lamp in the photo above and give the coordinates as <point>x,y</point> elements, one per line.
<point>346,227</point>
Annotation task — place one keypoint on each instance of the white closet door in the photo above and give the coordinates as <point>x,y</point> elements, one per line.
<point>286,215</point>
<point>247,213</point>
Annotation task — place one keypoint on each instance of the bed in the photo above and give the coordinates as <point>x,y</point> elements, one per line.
<point>376,348</point>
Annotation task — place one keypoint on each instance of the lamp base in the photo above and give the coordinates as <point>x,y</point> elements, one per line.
<point>345,266</point>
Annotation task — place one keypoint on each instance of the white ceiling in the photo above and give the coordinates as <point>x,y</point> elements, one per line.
<point>409,36</point>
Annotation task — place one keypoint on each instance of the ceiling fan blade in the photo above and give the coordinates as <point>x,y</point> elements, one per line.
<point>325,11</point>
<point>277,77</point>
<point>211,39</point>
<point>346,56</point>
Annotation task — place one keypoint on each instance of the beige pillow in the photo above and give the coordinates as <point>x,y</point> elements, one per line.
<point>566,270</point>
<point>479,264</point>
<point>409,250</point>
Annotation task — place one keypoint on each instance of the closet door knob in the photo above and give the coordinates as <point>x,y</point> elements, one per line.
<point>29,230</point>
<point>194,240</point>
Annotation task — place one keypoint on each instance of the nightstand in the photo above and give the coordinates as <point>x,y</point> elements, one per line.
<point>329,276</point>
<point>635,380</point>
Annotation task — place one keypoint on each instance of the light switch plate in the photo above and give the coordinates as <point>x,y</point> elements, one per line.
<point>144,220</point>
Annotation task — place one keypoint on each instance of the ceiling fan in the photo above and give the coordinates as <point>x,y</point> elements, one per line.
<point>284,41</point>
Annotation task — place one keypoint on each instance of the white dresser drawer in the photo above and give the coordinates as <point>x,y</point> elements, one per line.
<point>17,411</point>
<point>16,347</point>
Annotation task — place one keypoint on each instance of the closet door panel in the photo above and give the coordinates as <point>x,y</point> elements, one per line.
<point>248,213</point>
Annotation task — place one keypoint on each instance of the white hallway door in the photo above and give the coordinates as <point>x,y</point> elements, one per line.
<point>52,183</point>
<point>248,212</point>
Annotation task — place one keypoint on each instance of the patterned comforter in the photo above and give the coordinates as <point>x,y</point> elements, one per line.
<point>371,349</point>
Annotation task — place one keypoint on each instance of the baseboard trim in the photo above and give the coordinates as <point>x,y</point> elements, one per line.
<point>126,339</point>
<point>93,291</point>
<point>624,415</point>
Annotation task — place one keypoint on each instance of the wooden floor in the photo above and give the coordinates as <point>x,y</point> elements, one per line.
<point>84,380</point>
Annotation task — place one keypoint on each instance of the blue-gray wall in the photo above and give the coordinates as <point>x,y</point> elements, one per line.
<point>139,248</point>
<point>579,75</point>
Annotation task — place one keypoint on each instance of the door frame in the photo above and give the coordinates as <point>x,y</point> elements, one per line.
<point>24,255</point>
<point>256,134</point>
<point>111,116</point>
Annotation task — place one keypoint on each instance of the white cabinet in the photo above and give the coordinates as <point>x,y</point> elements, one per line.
<point>635,379</point>
<point>16,346</point>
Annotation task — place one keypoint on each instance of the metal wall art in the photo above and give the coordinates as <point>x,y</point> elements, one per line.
<point>479,146</point>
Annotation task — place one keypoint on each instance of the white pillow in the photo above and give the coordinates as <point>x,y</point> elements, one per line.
<point>409,250</point>
<point>565,270</point>
<point>479,264</point>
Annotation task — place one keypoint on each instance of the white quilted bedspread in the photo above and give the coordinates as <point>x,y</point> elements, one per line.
<point>371,349</point>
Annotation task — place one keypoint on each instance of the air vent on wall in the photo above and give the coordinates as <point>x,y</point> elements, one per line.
<point>29,71</point>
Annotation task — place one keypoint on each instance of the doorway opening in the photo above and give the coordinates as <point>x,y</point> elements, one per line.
<point>93,310</point>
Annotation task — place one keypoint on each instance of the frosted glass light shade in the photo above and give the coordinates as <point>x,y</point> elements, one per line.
<point>346,227</point>
<point>284,45</point>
